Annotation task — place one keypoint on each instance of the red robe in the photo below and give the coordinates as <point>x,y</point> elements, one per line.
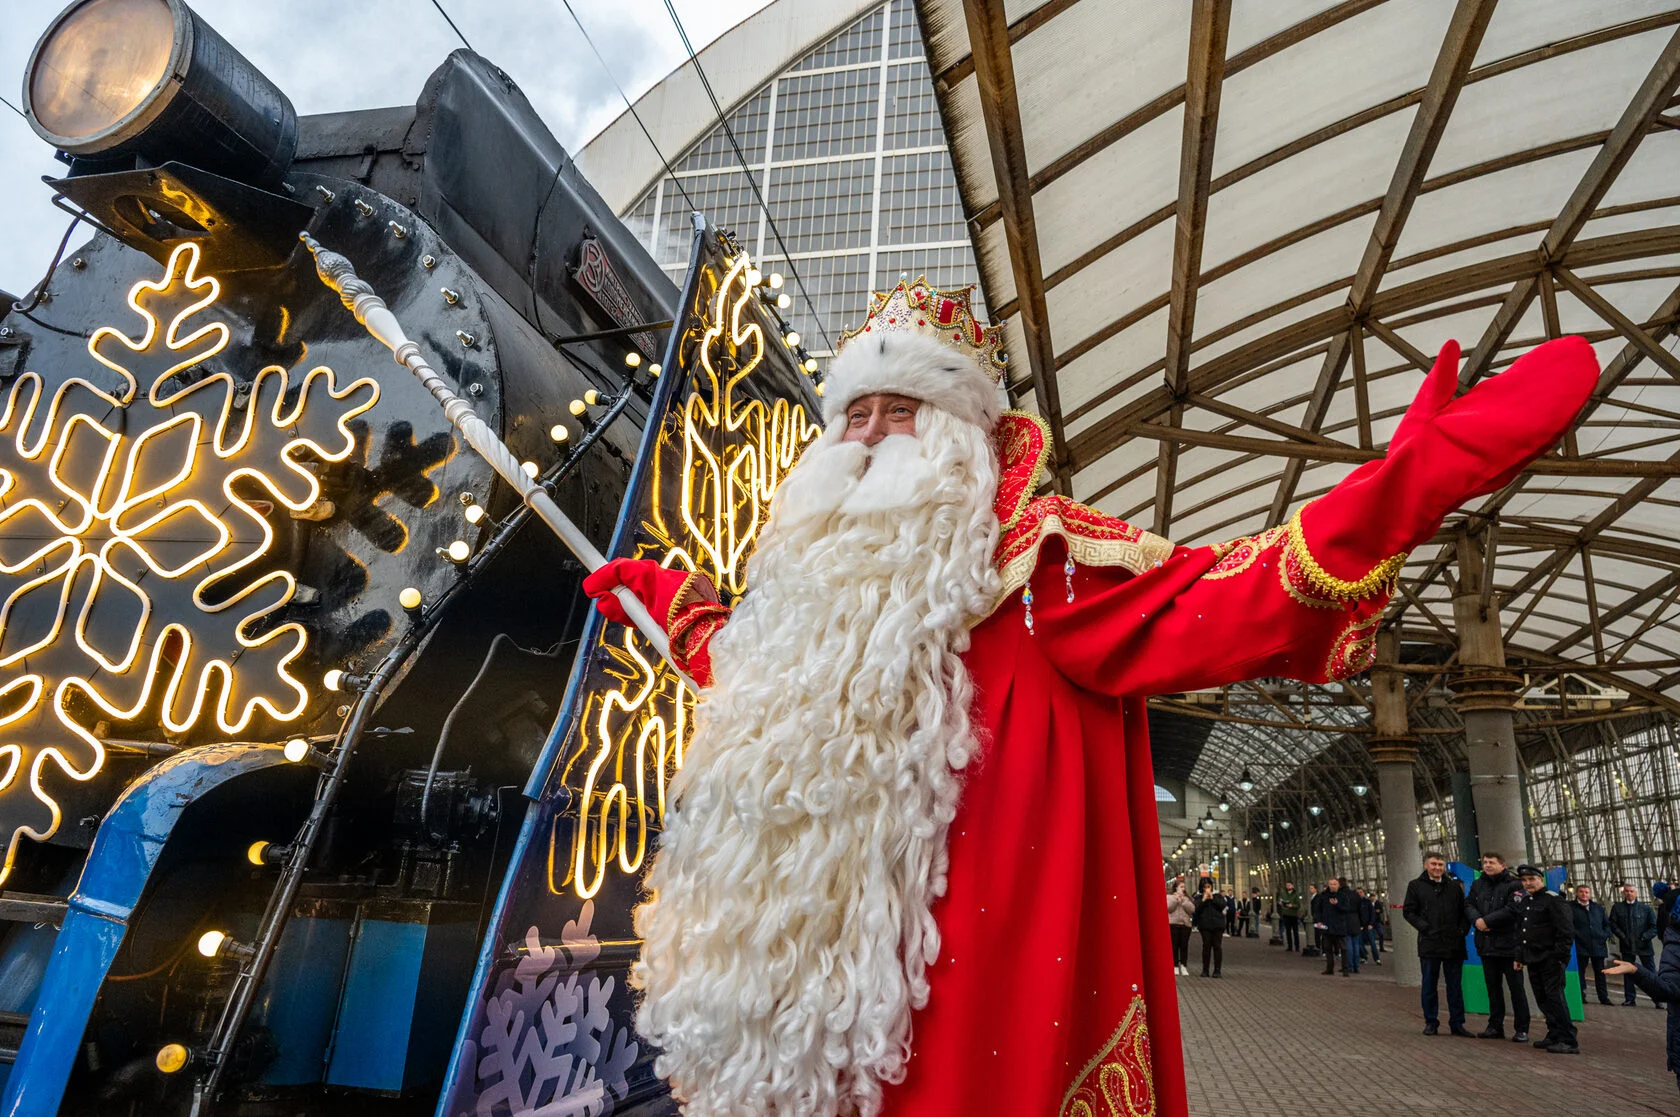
<point>1054,991</point>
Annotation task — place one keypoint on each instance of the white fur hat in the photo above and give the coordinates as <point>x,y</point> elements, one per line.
<point>916,366</point>
<point>921,342</point>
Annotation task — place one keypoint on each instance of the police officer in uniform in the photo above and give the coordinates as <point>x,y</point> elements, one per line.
<point>1548,932</point>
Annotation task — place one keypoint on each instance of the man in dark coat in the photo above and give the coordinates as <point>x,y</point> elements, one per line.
<point>1289,907</point>
<point>1331,915</point>
<point>1491,908</point>
<point>1592,941</point>
<point>1435,906</point>
<point>1634,927</point>
<point>1548,935</point>
<point>1662,985</point>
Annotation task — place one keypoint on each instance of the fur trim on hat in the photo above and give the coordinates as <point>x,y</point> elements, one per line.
<point>916,366</point>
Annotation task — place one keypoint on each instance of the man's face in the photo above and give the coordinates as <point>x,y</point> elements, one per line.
<point>1583,895</point>
<point>1492,866</point>
<point>1532,883</point>
<point>1630,893</point>
<point>1435,867</point>
<point>871,418</point>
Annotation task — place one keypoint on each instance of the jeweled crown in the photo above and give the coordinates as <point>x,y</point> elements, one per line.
<point>916,306</point>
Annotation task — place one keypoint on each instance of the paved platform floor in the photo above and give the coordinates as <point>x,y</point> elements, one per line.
<point>1273,1028</point>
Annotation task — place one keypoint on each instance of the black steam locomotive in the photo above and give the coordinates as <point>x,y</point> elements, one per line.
<point>322,788</point>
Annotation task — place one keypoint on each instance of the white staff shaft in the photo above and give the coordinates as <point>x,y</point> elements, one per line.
<point>370,310</point>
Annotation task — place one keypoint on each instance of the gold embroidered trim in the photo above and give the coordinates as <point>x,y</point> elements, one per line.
<point>1134,549</point>
<point>1015,448</point>
<point>1238,555</point>
<point>1321,583</point>
<point>1355,649</point>
<point>1133,1036</point>
<point>679,600</point>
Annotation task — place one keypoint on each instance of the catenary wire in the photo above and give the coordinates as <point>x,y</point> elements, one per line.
<point>627,104</point>
<point>438,4</point>
<point>752,179</point>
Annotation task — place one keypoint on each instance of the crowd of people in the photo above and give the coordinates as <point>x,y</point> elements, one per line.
<point>1517,925</point>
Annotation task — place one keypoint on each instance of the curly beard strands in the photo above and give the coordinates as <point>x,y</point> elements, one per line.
<point>788,929</point>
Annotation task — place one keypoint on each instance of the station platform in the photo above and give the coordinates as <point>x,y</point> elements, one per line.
<point>1275,1036</point>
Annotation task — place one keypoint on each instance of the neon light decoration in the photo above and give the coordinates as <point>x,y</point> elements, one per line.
<point>715,470</point>
<point>137,574</point>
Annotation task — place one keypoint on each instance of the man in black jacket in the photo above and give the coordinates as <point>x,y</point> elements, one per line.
<point>1491,908</point>
<point>1633,925</point>
<point>1435,906</point>
<point>1548,934</point>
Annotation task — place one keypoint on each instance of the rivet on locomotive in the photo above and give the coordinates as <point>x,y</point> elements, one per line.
<point>322,789</point>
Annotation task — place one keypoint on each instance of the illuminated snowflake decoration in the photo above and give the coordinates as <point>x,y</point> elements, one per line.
<point>136,569</point>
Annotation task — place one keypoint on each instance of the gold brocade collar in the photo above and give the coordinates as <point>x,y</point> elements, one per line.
<point>1092,538</point>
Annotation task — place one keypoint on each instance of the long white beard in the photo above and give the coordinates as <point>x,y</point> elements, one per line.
<point>788,929</point>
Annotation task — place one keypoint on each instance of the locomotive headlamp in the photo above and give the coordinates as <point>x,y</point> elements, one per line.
<point>149,78</point>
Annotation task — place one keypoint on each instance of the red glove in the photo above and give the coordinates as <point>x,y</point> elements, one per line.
<point>1447,451</point>
<point>658,588</point>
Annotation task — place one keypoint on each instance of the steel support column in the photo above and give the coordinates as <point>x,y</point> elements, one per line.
<point>1484,691</point>
<point>1394,753</point>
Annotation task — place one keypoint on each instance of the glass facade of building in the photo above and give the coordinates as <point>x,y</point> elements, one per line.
<point>847,145</point>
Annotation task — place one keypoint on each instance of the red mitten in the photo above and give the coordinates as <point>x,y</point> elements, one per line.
<point>1445,452</point>
<point>657,587</point>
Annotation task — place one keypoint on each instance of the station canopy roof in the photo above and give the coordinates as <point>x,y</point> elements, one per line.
<point>1228,239</point>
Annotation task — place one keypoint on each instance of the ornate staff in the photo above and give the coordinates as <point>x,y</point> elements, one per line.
<point>370,310</point>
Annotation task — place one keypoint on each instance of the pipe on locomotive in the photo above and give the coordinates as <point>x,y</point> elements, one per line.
<point>370,310</point>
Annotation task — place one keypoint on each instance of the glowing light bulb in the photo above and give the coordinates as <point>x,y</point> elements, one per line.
<point>530,469</point>
<point>210,943</point>
<point>474,513</point>
<point>592,397</point>
<point>332,679</point>
<point>792,339</point>
<point>810,364</point>
<point>297,748</point>
<point>754,277</point>
<point>775,280</point>
<point>254,853</point>
<point>633,359</point>
<point>410,597</point>
<point>458,551</point>
<point>558,433</point>
<point>171,1058</point>
<point>577,407</point>
<point>784,300</point>
<point>654,369</point>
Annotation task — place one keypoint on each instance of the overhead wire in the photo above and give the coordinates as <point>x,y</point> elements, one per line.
<point>14,108</point>
<point>625,97</point>
<point>752,179</point>
<point>438,4</point>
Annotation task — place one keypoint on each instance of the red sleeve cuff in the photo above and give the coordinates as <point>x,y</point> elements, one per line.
<point>691,630</point>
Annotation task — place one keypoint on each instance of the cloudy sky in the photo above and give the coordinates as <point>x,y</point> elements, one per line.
<point>331,55</point>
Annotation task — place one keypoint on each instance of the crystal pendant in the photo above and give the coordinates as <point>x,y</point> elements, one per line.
<point>1026,603</point>
<point>1067,568</point>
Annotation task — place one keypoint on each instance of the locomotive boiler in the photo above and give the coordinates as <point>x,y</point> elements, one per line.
<point>322,787</point>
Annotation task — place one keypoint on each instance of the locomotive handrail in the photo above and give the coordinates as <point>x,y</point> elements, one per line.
<point>370,310</point>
